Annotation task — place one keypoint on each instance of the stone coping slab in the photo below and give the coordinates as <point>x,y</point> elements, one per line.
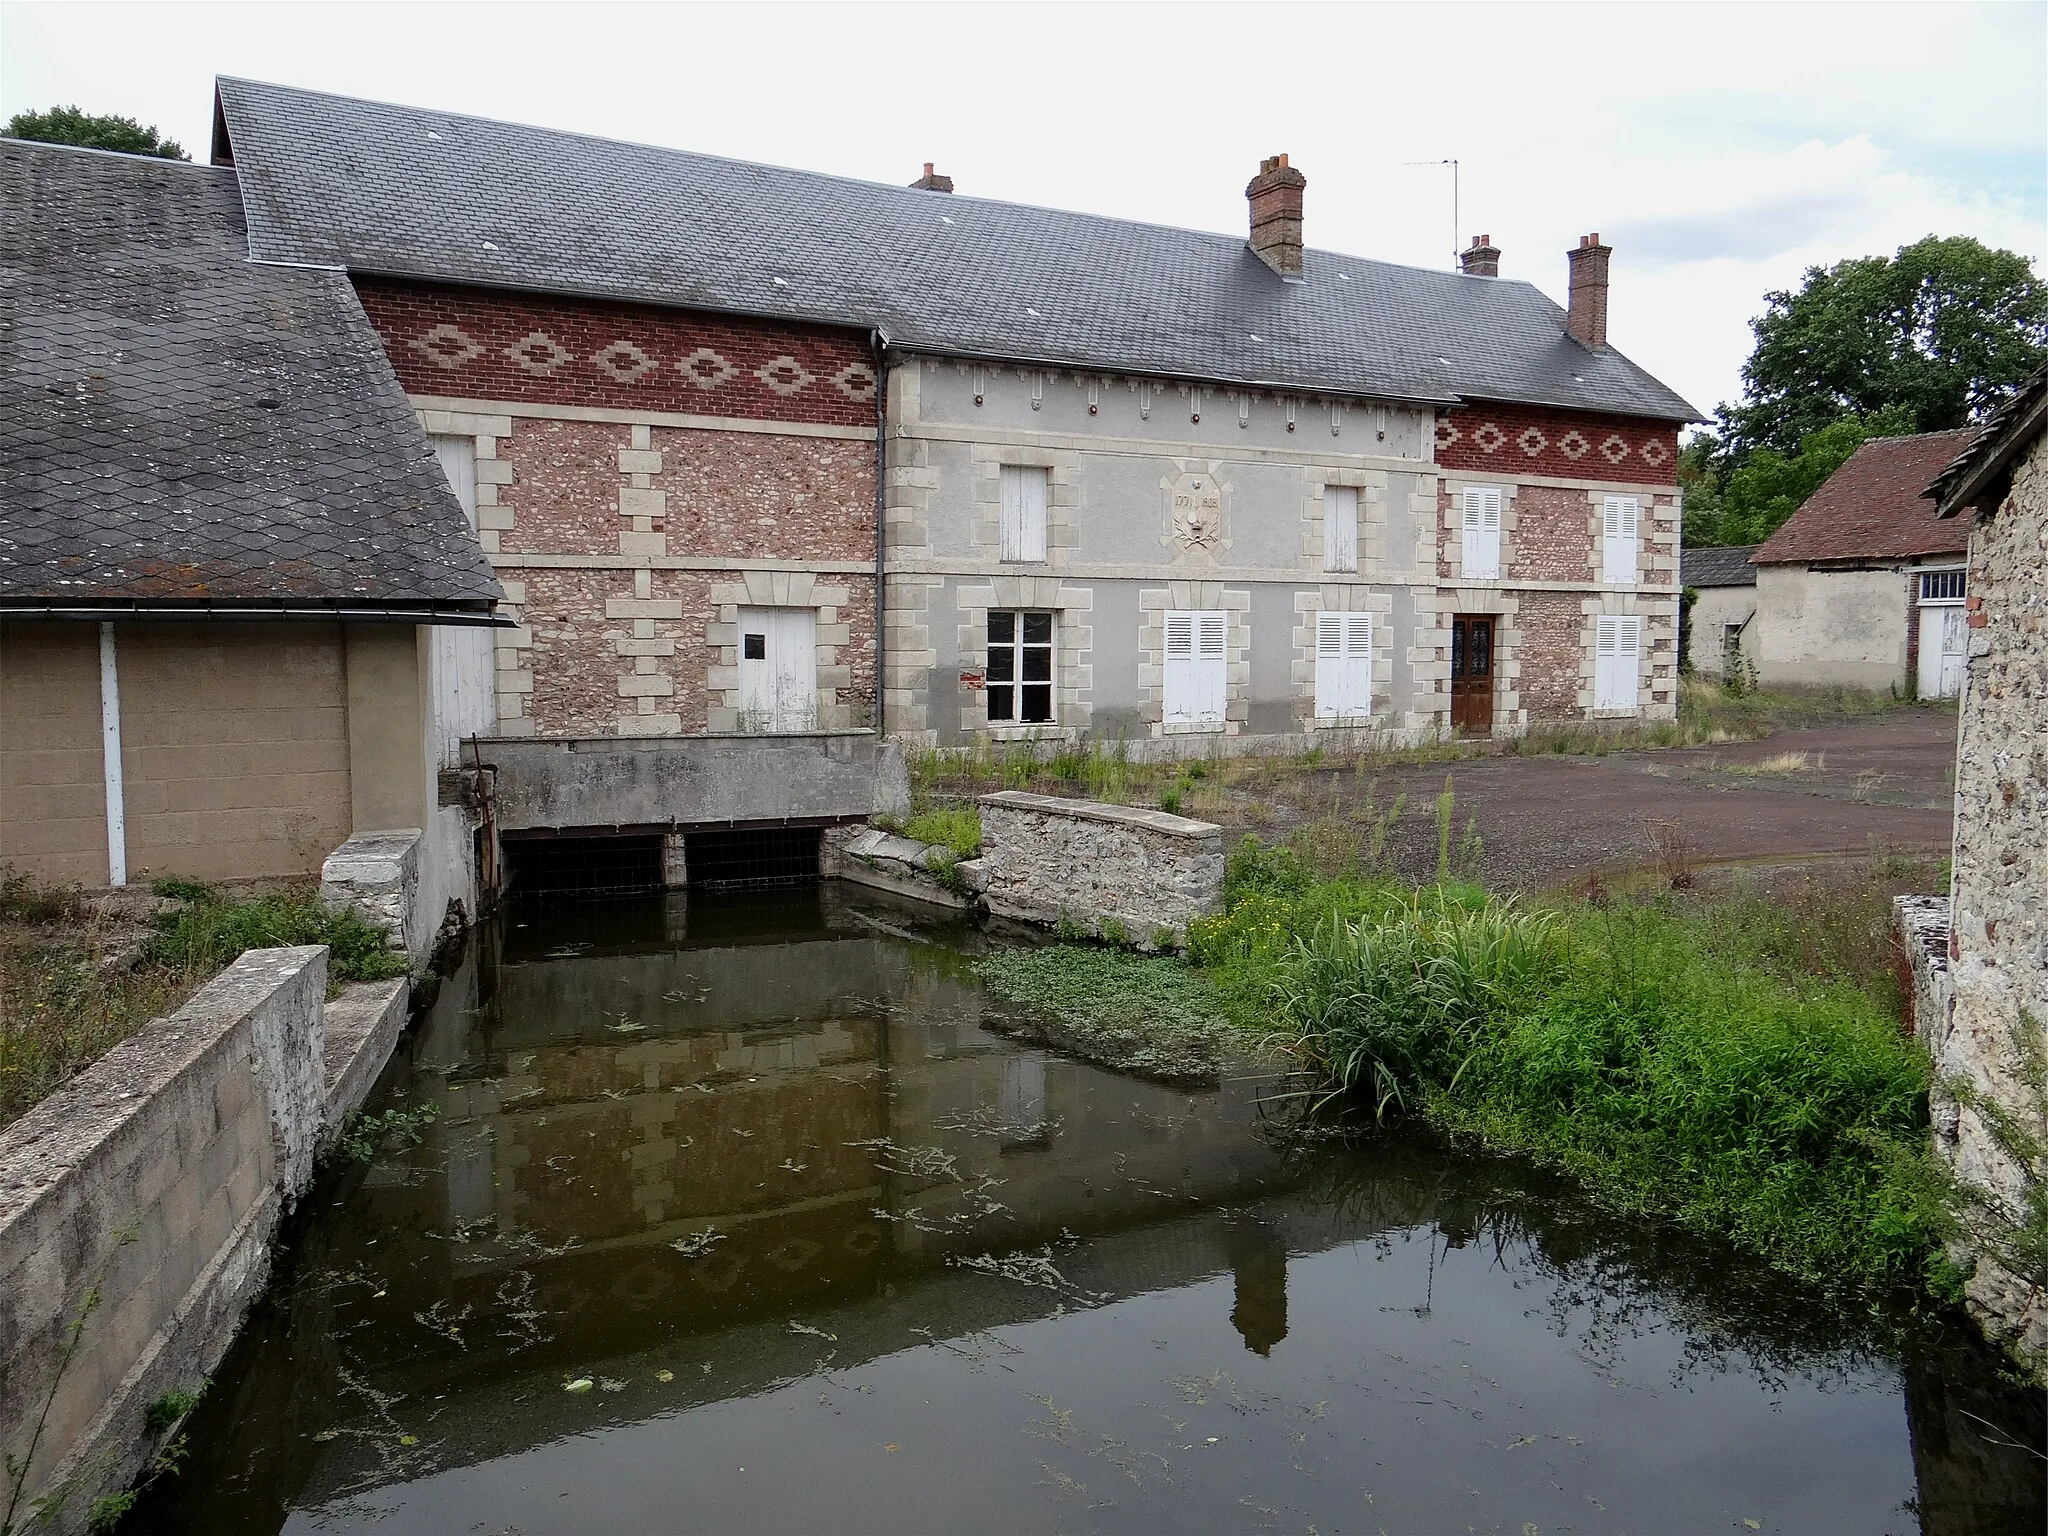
<point>1163,822</point>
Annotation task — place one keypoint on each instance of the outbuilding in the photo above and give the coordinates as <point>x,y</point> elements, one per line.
<point>243,614</point>
<point>1863,587</point>
<point>1720,584</point>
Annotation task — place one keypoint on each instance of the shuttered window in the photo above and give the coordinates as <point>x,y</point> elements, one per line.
<point>1343,665</point>
<point>1619,519</point>
<point>1194,676</point>
<point>1019,681</point>
<point>1340,528</point>
<point>457,456</point>
<point>1024,491</point>
<point>1481,560</point>
<point>1617,665</point>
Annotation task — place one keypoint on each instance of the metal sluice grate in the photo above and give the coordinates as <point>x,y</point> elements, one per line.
<point>732,857</point>
<point>585,868</point>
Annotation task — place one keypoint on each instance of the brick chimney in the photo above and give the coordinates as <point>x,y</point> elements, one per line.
<point>932,181</point>
<point>1482,259</point>
<point>1275,196</point>
<point>1586,318</point>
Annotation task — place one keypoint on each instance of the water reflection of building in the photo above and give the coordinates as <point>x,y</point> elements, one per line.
<point>1258,1264</point>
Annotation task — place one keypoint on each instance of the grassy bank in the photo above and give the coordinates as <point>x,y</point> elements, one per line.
<point>77,977</point>
<point>1729,1060</point>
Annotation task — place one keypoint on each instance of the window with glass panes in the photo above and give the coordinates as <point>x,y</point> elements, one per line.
<point>1019,683</point>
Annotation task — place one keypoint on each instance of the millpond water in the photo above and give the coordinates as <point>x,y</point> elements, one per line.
<point>747,1213</point>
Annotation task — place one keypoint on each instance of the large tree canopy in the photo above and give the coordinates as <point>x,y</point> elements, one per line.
<point>1924,341</point>
<point>1943,330</point>
<point>68,125</point>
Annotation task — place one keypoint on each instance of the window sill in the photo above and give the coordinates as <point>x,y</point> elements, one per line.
<point>1197,728</point>
<point>1047,732</point>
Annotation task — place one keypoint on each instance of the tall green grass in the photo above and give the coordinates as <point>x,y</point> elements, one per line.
<point>209,931</point>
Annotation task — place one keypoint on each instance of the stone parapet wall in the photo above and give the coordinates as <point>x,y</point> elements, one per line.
<point>377,874</point>
<point>156,1179</point>
<point>1102,867</point>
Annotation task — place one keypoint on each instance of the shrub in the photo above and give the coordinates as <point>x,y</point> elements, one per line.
<point>210,932</point>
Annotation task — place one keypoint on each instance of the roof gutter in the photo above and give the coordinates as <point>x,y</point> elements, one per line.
<point>134,609</point>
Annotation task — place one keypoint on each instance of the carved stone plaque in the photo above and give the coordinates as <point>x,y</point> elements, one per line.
<point>1195,523</point>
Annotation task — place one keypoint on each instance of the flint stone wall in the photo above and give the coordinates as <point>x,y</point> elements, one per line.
<point>1044,859</point>
<point>1997,1019</point>
<point>158,1175</point>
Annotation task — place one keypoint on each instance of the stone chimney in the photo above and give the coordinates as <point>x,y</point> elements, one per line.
<point>1275,196</point>
<point>1586,318</point>
<point>1482,259</point>
<point>932,181</point>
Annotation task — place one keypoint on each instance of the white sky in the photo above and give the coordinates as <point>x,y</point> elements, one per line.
<point>1720,149</point>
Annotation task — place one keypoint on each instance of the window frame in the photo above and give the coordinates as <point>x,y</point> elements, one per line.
<point>1018,648</point>
<point>1955,575</point>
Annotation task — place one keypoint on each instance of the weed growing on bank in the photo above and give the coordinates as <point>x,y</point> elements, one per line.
<point>210,930</point>
<point>1149,1015</point>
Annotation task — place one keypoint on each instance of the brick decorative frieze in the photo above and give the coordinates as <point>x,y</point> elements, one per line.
<point>1510,440</point>
<point>479,345</point>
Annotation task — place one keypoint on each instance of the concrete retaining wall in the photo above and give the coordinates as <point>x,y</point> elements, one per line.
<point>155,1179</point>
<point>1044,859</point>
<point>650,782</point>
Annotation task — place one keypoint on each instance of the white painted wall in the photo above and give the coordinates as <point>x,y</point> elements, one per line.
<point>1831,627</point>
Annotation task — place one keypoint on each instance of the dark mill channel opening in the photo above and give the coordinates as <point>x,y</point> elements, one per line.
<point>575,866</point>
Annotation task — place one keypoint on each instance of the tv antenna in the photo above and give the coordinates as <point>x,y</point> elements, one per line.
<point>1456,237</point>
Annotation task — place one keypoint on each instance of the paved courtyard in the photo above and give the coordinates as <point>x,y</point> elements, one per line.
<point>1837,789</point>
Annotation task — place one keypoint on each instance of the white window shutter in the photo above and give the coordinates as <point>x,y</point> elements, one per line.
<point>1620,520</point>
<point>1343,665</point>
<point>457,456</point>
<point>1617,662</point>
<point>1023,514</point>
<point>1340,528</point>
<point>1195,673</point>
<point>1481,550</point>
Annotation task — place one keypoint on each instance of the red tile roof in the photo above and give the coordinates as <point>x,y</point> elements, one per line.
<point>1871,508</point>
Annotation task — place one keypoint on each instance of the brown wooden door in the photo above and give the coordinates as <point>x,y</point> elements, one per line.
<point>1472,673</point>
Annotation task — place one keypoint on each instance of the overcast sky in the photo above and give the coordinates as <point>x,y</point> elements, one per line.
<point>1719,149</point>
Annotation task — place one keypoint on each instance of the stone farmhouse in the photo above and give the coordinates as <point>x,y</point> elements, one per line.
<point>1863,585</point>
<point>242,616</point>
<point>755,450</point>
<point>1981,995</point>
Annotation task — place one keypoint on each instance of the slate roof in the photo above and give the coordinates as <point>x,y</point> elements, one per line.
<point>181,429</point>
<point>1871,508</point>
<point>1977,476</point>
<point>400,191</point>
<point>1717,567</point>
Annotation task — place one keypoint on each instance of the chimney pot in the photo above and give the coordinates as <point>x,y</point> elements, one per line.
<point>932,181</point>
<point>1482,258</point>
<point>1586,314</point>
<point>1275,197</point>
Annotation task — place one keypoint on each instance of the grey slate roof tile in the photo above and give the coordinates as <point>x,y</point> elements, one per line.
<point>181,427</point>
<point>1712,566</point>
<point>336,181</point>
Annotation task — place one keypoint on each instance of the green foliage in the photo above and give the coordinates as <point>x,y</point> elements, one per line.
<point>171,1406</point>
<point>1169,799</point>
<point>1938,333</point>
<point>365,1134</point>
<point>178,888</point>
<point>210,931</point>
<point>957,828</point>
<point>1148,1015</point>
<point>22,900</point>
<point>1738,1069</point>
<point>1751,498</point>
<point>69,125</point>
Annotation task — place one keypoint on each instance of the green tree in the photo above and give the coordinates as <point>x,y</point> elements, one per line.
<point>1943,330</point>
<point>69,125</point>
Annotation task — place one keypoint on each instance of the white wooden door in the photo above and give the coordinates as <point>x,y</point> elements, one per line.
<point>1944,651</point>
<point>1194,681</point>
<point>1343,665</point>
<point>778,669</point>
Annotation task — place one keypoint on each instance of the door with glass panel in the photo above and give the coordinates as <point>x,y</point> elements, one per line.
<point>1472,673</point>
